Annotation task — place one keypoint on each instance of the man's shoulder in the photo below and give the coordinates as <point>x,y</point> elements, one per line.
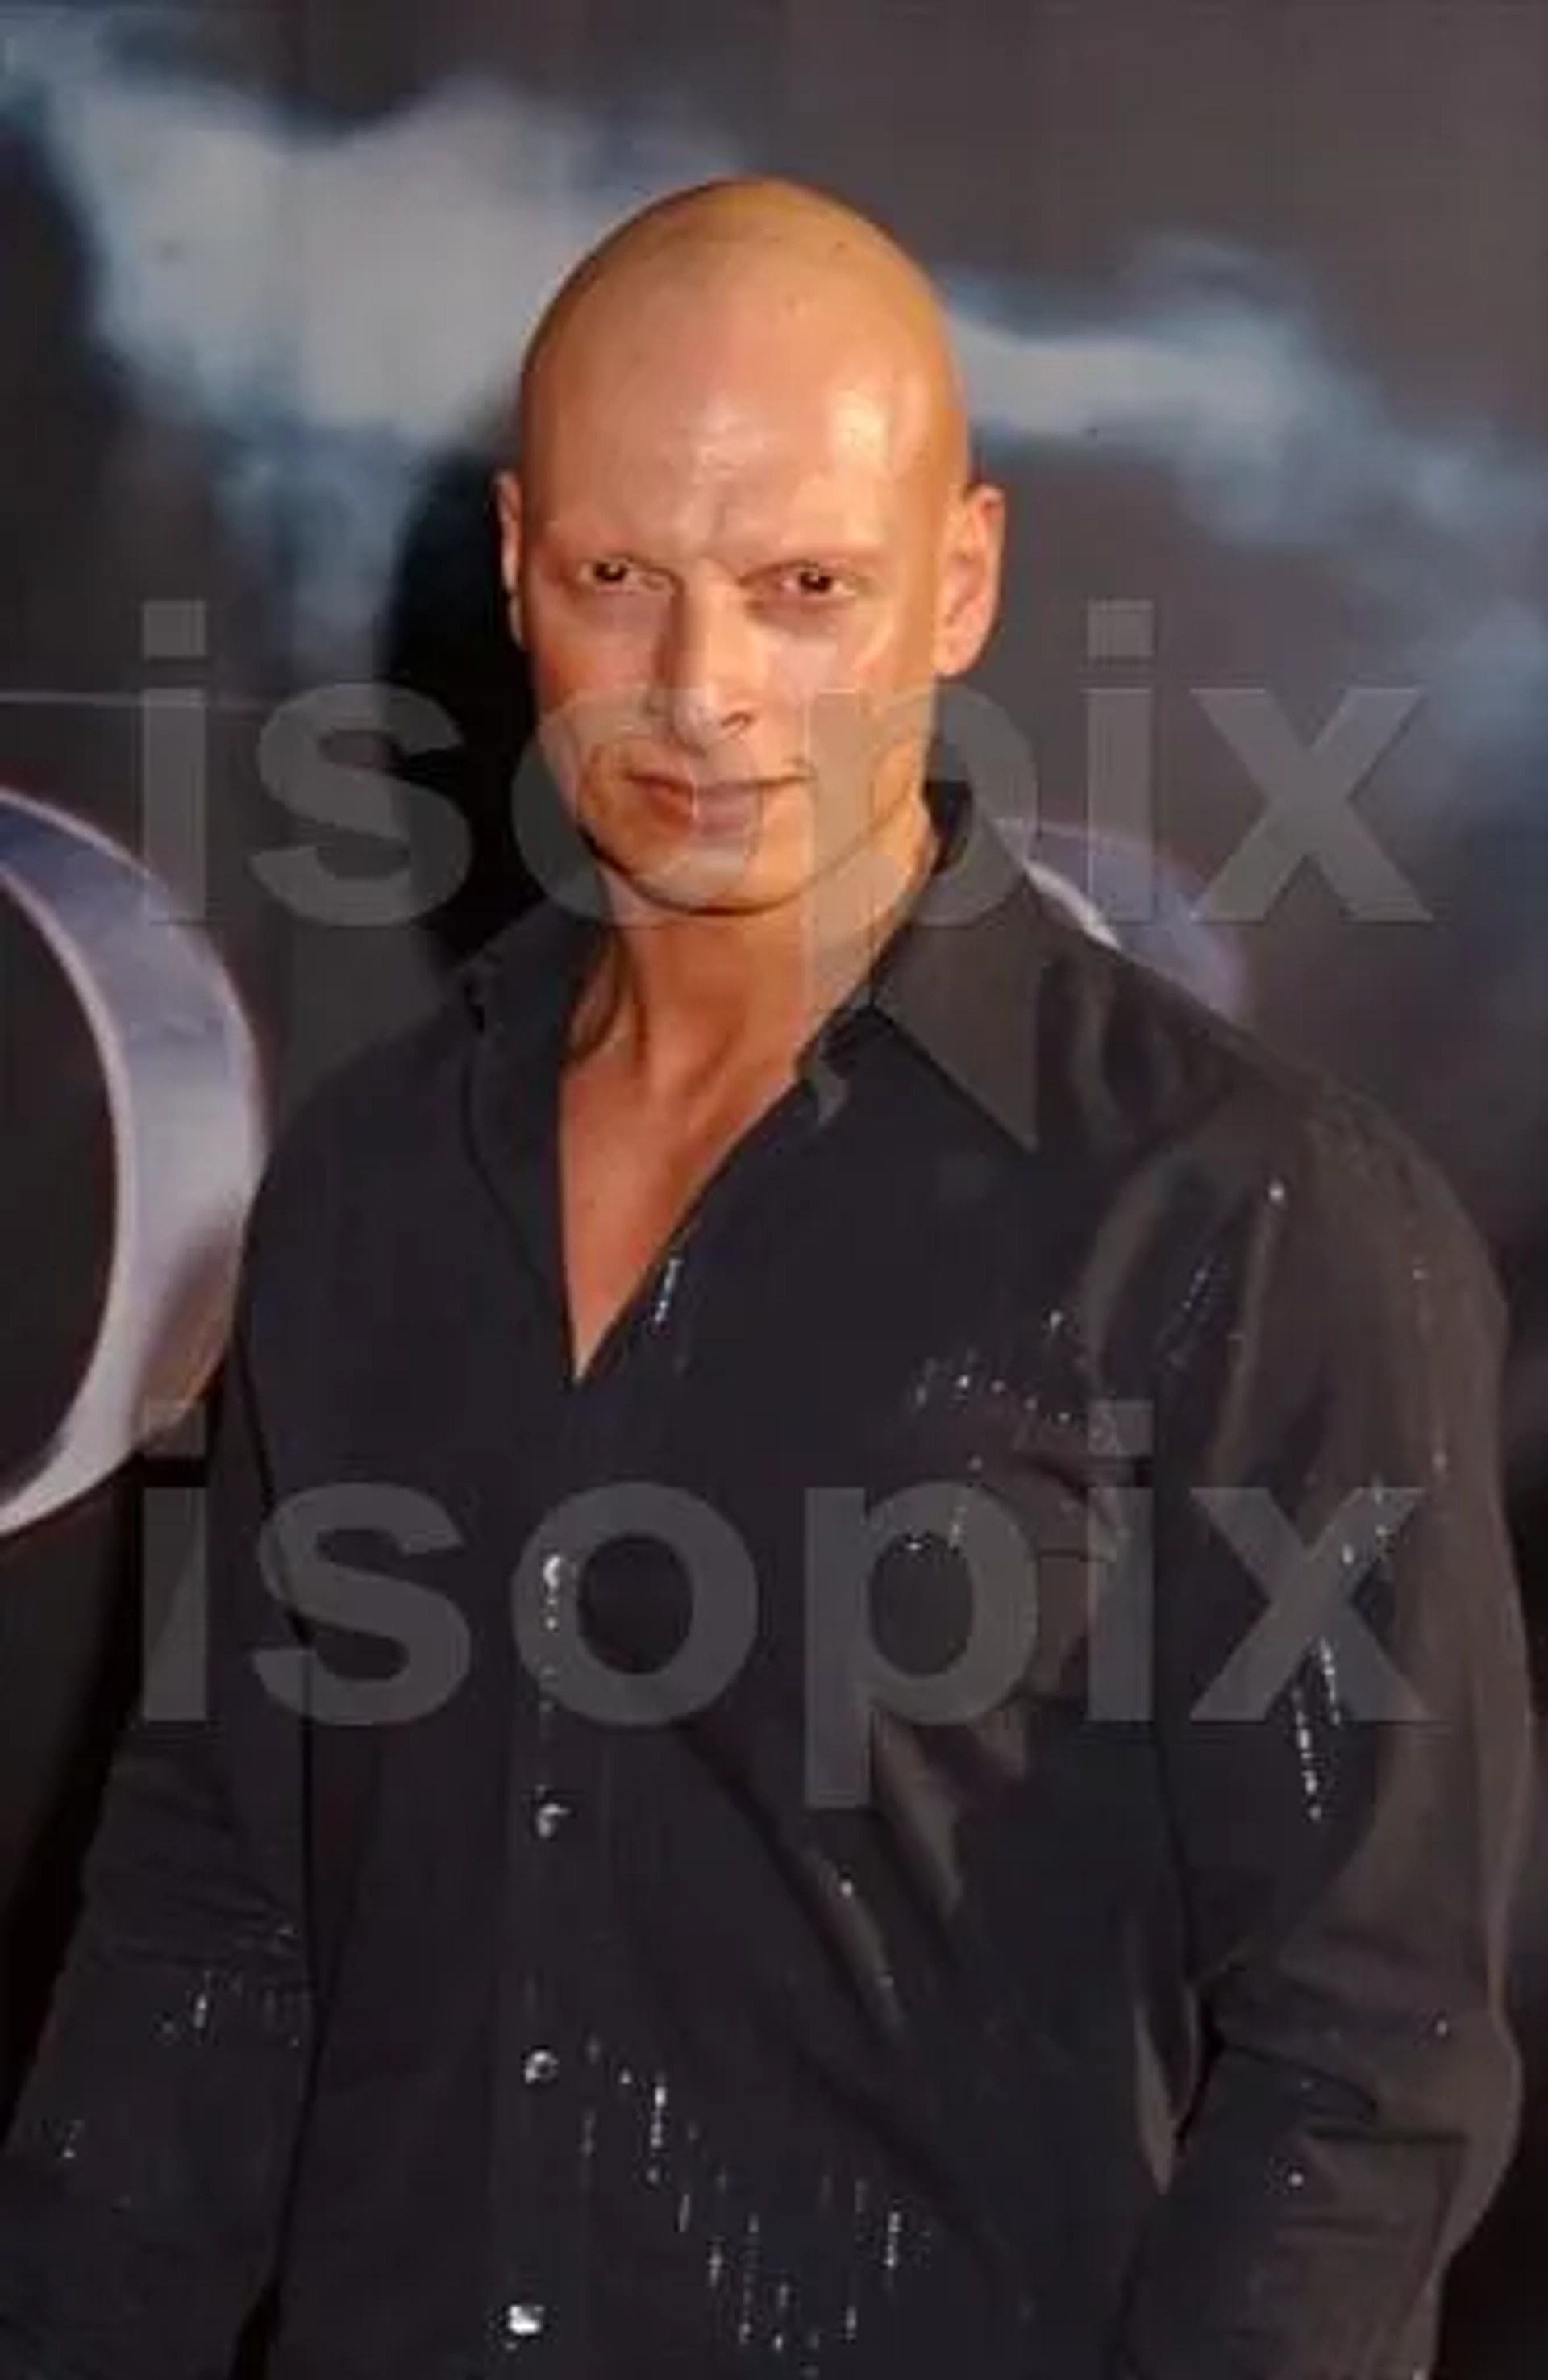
<point>1242,1128</point>
<point>372,1124</point>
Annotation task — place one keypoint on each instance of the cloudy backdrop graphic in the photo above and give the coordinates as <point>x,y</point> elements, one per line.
<point>344,304</point>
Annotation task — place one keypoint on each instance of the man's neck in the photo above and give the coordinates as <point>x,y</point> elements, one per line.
<point>681,1001</point>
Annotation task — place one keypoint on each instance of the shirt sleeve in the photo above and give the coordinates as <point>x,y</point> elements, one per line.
<point>142,2185</point>
<point>1343,1725</point>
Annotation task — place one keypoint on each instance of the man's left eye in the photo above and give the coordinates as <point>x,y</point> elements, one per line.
<point>810,578</point>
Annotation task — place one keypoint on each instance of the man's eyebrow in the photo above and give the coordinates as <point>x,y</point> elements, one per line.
<point>845,551</point>
<point>580,540</point>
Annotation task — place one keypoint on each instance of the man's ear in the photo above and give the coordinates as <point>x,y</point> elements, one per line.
<point>971,579</point>
<point>507,507</point>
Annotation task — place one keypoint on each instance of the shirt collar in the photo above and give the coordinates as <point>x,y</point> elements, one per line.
<point>959,974</point>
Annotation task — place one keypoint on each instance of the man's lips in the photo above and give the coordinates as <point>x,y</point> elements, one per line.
<point>728,800</point>
<point>708,789</point>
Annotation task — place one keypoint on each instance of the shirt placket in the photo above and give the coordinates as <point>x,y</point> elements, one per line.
<point>549,2083</point>
<point>552,2072</point>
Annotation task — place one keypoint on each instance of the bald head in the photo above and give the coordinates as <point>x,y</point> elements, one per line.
<point>739,538</point>
<point>822,286</point>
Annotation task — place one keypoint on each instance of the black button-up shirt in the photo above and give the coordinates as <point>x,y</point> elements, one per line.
<point>949,1805</point>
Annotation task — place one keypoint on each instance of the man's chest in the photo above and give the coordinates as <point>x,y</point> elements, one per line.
<point>846,1399</point>
<point>628,1184</point>
<point>798,1580</point>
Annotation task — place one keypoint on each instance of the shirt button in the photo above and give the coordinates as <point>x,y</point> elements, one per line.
<point>523,2322</point>
<point>539,2066</point>
<point>549,1816</point>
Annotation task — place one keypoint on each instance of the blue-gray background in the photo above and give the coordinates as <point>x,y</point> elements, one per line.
<point>1253,300</point>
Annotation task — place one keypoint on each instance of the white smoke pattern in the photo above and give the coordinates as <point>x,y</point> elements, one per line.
<point>1215,370</point>
<point>343,306</point>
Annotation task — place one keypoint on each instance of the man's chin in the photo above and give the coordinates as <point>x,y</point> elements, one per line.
<point>690,879</point>
<point>667,845</point>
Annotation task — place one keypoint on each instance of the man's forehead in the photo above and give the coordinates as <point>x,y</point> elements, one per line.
<point>742,421</point>
<point>749,516</point>
<point>826,441</point>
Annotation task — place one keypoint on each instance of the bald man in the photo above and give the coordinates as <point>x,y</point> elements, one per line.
<point>866,1706</point>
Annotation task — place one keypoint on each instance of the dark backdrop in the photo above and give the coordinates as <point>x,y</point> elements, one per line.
<point>1253,296</point>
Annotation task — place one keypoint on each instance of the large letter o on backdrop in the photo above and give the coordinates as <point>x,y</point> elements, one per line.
<point>186,1106</point>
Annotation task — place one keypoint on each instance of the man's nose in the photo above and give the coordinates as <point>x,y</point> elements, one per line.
<point>704,688</point>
